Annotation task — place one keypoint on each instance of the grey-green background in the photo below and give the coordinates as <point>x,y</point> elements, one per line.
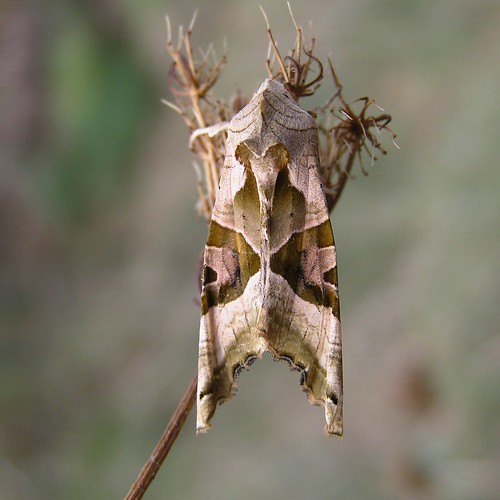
<point>99,242</point>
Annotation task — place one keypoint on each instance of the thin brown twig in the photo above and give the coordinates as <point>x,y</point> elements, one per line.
<point>166,441</point>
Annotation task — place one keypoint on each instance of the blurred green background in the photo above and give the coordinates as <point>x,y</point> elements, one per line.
<point>99,241</point>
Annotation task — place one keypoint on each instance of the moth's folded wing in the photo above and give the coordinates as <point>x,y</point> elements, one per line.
<point>229,302</point>
<point>305,322</point>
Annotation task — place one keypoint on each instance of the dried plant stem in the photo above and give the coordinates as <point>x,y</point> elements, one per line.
<point>166,441</point>
<point>333,195</point>
<point>191,81</point>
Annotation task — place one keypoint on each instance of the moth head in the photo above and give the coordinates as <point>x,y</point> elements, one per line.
<point>277,155</point>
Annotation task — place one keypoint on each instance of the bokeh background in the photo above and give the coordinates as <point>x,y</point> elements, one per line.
<point>99,244</point>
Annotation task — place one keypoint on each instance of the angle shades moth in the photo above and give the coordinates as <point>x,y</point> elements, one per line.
<point>269,271</point>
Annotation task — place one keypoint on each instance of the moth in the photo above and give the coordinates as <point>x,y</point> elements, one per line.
<point>269,280</point>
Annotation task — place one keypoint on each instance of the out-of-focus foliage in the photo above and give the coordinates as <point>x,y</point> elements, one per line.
<point>99,244</point>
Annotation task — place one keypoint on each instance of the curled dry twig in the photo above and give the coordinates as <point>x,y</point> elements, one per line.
<point>345,133</point>
<point>344,140</point>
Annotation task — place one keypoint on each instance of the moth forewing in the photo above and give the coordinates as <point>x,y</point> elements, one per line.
<point>270,275</point>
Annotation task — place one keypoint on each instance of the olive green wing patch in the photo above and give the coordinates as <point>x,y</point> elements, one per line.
<point>229,263</point>
<point>308,263</point>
